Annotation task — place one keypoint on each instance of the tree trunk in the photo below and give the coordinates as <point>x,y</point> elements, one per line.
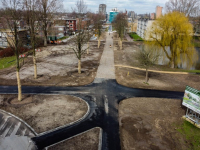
<point>19,86</point>
<point>45,41</point>
<point>88,48</point>
<point>120,44</point>
<point>35,67</point>
<point>79,66</point>
<point>146,75</point>
<point>172,64</point>
<point>98,42</point>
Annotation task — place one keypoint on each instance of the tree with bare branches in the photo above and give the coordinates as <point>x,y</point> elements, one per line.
<point>82,36</point>
<point>188,7</point>
<point>47,8</point>
<point>147,57</point>
<point>120,23</point>
<point>98,26</point>
<point>11,15</point>
<point>31,18</point>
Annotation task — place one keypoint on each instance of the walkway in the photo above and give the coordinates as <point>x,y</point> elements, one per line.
<point>103,98</point>
<point>14,133</point>
<point>106,68</point>
<point>169,72</point>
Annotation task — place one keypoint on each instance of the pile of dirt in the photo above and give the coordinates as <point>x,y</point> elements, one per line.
<point>150,123</point>
<point>85,141</point>
<point>45,112</point>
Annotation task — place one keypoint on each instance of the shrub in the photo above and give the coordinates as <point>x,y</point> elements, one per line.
<point>7,52</point>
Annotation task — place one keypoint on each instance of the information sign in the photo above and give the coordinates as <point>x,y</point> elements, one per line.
<point>191,99</point>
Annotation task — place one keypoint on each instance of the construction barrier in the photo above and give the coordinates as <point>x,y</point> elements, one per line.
<point>24,55</point>
<point>38,50</point>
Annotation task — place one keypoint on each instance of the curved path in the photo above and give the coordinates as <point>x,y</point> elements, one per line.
<point>103,96</point>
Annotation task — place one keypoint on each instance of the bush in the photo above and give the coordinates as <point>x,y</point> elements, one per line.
<point>7,52</point>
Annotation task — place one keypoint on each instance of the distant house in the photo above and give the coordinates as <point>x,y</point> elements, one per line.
<point>7,37</point>
<point>143,27</point>
<point>66,24</point>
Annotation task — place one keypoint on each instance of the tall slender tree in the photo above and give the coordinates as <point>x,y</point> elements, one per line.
<point>31,17</point>
<point>81,37</point>
<point>11,15</point>
<point>120,23</point>
<point>47,8</point>
<point>98,26</point>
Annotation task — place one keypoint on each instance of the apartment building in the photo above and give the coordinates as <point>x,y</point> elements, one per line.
<point>7,37</point>
<point>143,26</point>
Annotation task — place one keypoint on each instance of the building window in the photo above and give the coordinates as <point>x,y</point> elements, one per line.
<point>71,25</point>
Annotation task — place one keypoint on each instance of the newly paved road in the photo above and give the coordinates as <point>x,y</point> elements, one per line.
<point>103,96</point>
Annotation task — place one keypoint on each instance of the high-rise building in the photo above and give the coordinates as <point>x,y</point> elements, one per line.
<point>158,11</point>
<point>152,16</point>
<point>102,9</point>
<point>113,14</point>
<point>131,14</point>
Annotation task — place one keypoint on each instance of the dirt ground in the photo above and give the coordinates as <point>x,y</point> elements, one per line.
<point>86,141</point>
<point>136,78</point>
<point>57,66</point>
<point>150,123</point>
<point>45,112</point>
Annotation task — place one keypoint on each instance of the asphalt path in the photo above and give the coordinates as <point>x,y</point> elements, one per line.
<point>103,97</point>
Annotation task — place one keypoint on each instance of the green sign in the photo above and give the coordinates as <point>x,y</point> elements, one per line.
<point>191,99</point>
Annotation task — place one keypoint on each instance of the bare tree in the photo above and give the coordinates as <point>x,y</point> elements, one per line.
<point>81,37</point>
<point>11,15</point>
<point>47,8</point>
<point>31,18</point>
<point>120,23</point>
<point>188,7</point>
<point>98,26</point>
<point>147,57</point>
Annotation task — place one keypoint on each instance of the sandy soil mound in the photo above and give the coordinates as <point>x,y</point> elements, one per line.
<point>45,112</point>
<point>85,141</point>
<point>149,123</point>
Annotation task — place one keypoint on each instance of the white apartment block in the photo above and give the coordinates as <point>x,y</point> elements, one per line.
<point>143,26</point>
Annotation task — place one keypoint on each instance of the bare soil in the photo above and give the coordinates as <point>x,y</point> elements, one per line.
<point>150,123</point>
<point>45,112</point>
<point>136,78</point>
<point>56,66</point>
<point>85,141</point>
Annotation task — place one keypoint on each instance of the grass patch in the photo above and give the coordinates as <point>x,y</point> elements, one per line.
<point>191,134</point>
<point>64,37</point>
<point>196,44</point>
<point>135,37</point>
<point>7,62</point>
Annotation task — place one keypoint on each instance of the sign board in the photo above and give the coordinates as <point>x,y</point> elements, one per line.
<point>191,99</point>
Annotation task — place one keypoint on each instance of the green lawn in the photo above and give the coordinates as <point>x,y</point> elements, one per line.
<point>64,37</point>
<point>191,134</point>
<point>7,62</point>
<point>135,37</point>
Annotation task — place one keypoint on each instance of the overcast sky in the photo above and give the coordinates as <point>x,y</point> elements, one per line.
<point>139,6</point>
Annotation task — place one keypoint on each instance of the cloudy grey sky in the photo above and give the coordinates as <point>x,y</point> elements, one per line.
<point>139,6</point>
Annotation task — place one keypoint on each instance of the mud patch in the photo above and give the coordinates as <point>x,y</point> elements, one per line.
<point>149,123</point>
<point>85,141</point>
<point>46,112</point>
